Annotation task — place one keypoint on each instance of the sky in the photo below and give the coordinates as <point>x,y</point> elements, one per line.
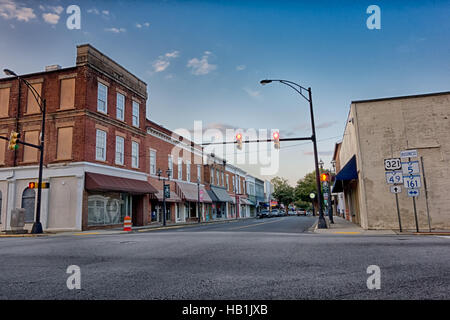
<point>203,60</point>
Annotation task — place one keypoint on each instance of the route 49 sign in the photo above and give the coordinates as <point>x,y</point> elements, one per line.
<point>394,177</point>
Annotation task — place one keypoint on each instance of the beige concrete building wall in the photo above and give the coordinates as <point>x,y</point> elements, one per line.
<point>386,127</point>
<point>63,203</point>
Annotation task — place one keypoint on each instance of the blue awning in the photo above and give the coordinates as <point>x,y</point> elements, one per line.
<point>348,172</point>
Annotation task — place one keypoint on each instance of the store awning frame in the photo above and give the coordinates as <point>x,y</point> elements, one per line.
<point>107,183</point>
<point>349,171</point>
<point>189,192</point>
<point>221,194</point>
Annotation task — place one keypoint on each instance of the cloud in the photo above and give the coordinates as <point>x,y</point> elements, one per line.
<point>320,153</point>
<point>51,18</point>
<point>324,125</point>
<point>201,66</point>
<point>94,11</point>
<point>173,54</point>
<point>105,12</point>
<point>163,61</point>
<point>253,93</point>
<point>141,25</point>
<point>160,65</point>
<point>11,10</point>
<point>240,67</point>
<point>115,30</point>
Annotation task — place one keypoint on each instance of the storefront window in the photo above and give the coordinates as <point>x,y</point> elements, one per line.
<point>108,208</point>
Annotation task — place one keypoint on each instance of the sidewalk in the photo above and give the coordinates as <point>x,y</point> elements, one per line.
<point>342,226</point>
<point>120,230</point>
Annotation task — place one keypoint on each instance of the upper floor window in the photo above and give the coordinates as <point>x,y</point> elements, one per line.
<point>134,154</point>
<point>152,162</point>
<point>223,180</point>
<point>120,142</point>
<point>188,171</point>
<point>180,169</point>
<point>135,114</point>
<point>102,94</point>
<point>217,177</point>
<point>100,145</point>
<point>4,102</point>
<point>211,176</point>
<point>120,106</point>
<point>170,163</point>
<point>199,173</point>
<point>227,183</point>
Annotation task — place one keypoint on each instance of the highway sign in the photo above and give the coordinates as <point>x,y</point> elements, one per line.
<point>411,167</point>
<point>413,192</point>
<point>408,154</point>
<point>392,164</point>
<point>396,189</point>
<point>394,177</point>
<point>412,181</point>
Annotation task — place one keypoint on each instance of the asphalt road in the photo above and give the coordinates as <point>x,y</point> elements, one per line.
<point>255,259</point>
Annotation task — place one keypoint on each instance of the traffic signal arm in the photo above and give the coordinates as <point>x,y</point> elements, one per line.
<point>29,144</point>
<point>258,140</point>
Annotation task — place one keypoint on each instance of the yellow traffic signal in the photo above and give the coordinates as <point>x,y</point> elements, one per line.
<point>276,140</point>
<point>13,141</point>
<point>35,185</point>
<point>239,141</point>
<point>324,177</point>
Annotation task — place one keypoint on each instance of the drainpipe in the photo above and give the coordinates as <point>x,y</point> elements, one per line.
<point>17,122</point>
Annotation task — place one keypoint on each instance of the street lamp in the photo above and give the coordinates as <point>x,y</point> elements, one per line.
<point>37,226</point>
<point>299,89</point>
<point>159,173</point>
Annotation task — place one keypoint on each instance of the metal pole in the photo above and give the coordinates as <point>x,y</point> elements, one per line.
<point>164,202</point>
<point>398,212</point>
<point>426,194</point>
<point>37,226</point>
<point>415,214</point>
<point>415,210</point>
<point>322,223</point>
<point>198,201</point>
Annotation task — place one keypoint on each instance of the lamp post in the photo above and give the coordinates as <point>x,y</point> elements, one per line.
<point>299,89</point>
<point>37,226</point>
<point>158,173</point>
<point>198,200</point>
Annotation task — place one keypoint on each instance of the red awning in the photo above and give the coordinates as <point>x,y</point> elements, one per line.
<point>190,192</point>
<point>101,182</point>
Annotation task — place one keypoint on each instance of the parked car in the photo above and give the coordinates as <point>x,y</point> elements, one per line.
<point>263,214</point>
<point>292,213</point>
<point>301,212</point>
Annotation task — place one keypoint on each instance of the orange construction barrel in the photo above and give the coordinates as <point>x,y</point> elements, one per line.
<point>127,224</point>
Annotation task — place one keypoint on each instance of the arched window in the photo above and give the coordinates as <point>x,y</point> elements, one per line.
<point>28,203</point>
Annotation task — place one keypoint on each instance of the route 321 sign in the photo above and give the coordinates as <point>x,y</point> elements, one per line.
<point>392,164</point>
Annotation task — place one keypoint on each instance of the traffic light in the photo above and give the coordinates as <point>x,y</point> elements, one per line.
<point>239,141</point>
<point>13,141</point>
<point>324,177</point>
<point>276,140</point>
<point>34,185</point>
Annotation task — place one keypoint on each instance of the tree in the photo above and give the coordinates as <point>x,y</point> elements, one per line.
<point>305,187</point>
<point>283,192</point>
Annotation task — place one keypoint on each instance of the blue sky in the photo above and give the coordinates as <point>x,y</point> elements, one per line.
<point>203,60</point>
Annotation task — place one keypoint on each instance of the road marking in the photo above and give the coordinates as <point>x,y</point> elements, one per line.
<point>256,224</point>
<point>446,237</point>
<point>347,232</point>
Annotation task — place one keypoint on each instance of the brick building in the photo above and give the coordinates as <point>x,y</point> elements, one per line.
<point>102,155</point>
<point>94,145</point>
<point>169,151</point>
